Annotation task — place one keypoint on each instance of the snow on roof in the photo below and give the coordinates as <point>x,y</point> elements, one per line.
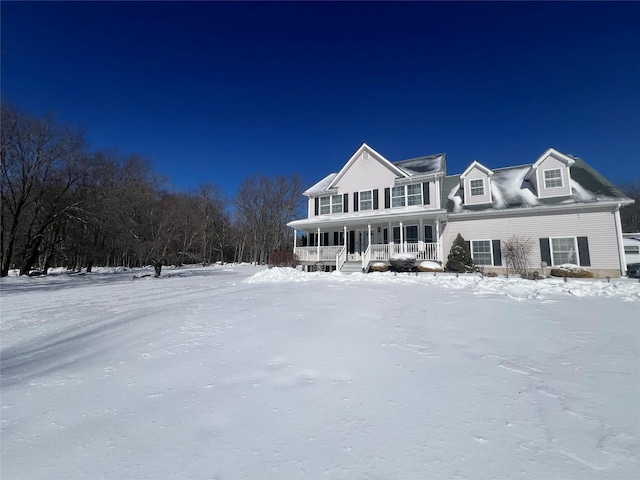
<point>423,165</point>
<point>413,166</point>
<point>509,188</point>
<point>321,185</point>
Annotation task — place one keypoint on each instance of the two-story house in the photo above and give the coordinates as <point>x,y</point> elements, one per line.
<point>373,208</point>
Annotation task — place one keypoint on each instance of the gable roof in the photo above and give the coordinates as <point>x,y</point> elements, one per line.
<point>512,189</point>
<point>375,155</point>
<point>479,166</point>
<point>420,166</point>
<point>568,160</point>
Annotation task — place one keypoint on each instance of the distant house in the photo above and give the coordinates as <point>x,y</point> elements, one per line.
<point>631,247</point>
<point>373,208</point>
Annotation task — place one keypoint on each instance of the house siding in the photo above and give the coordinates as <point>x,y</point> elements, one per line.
<point>475,174</point>
<point>596,226</point>
<point>311,207</point>
<point>551,163</point>
<point>366,173</point>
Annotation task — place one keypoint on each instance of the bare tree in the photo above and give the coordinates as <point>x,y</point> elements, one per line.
<point>41,162</point>
<point>212,207</point>
<point>517,252</point>
<point>264,207</point>
<point>630,214</point>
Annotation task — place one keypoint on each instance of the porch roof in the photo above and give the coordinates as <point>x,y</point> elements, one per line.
<point>364,218</point>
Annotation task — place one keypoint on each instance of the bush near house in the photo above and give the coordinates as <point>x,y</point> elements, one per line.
<point>283,259</point>
<point>379,267</point>
<point>428,266</point>
<point>571,271</point>
<point>459,259</point>
<point>402,262</point>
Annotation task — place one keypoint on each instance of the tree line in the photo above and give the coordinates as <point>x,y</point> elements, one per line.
<point>63,205</point>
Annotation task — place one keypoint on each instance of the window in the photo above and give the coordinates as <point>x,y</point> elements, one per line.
<point>397,197</point>
<point>325,205</point>
<point>406,196</point>
<point>410,234</point>
<point>476,187</point>
<point>336,204</point>
<point>564,250</point>
<point>428,233</point>
<point>553,178</point>
<point>414,194</point>
<point>481,252</point>
<point>332,204</point>
<point>366,200</point>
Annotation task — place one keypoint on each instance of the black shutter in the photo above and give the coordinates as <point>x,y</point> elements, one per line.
<point>325,239</point>
<point>317,202</point>
<point>545,251</point>
<point>375,199</point>
<point>336,240</point>
<point>345,202</point>
<point>312,240</point>
<point>468,242</point>
<point>583,252</point>
<point>387,198</point>
<point>497,253</point>
<point>355,201</point>
<point>425,194</point>
<point>352,241</point>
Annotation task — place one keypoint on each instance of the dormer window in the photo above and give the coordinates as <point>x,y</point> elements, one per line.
<point>550,175</point>
<point>553,178</point>
<point>476,187</point>
<point>330,204</point>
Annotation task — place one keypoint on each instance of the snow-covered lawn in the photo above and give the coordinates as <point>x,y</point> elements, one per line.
<point>234,372</point>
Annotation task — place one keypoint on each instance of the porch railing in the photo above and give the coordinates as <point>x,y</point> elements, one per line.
<point>382,253</point>
<point>319,254</point>
<point>341,257</point>
<point>373,253</point>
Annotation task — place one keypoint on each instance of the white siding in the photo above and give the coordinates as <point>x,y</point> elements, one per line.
<point>312,208</point>
<point>598,227</point>
<point>365,173</point>
<point>434,201</point>
<point>551,163</point>
<point>475,174</point>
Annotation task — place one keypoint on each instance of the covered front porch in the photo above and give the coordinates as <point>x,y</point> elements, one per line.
<point>330,246</point>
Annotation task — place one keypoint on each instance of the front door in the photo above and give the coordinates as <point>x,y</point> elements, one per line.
<point>364,240</point>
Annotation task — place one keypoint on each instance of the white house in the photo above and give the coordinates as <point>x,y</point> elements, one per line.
<point>631,247</point>
<point>373,208</point>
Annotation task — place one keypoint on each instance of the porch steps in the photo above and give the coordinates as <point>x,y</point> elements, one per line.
<point>351,267</point>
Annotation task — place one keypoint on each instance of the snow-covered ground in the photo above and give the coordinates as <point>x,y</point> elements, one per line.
<point>238,372</point>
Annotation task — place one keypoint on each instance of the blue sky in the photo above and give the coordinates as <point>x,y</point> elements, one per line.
<point>215,92</point>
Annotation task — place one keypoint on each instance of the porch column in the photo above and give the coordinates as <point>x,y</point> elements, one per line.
<point>318,246</point>
<point>438,243</point>
<point>402,238</point>
<point>344,238</point>
<point>369,228</point>
<point>295,237</point>
<point>620,238</point>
